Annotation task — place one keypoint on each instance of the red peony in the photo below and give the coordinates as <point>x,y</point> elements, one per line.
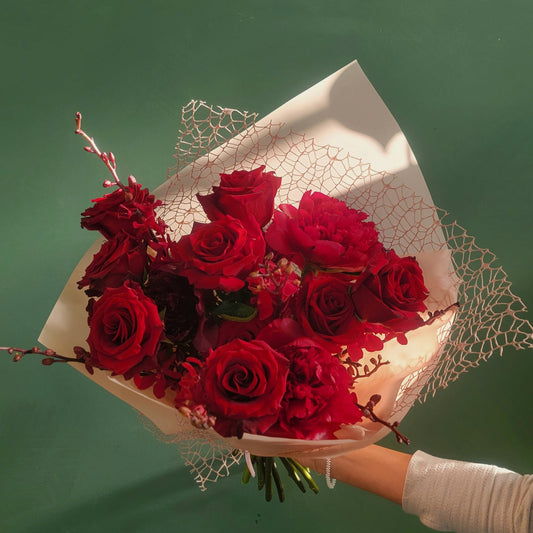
<point>219,255</point>
<point>392,294</point>
<point>325,310</point>
<point>242,385</point>
<point>318,399</point>
<point>124,328</point>
<point>242,194</point>
<point>119,259</point>
<point>129,210</point>
<point>324,232</point>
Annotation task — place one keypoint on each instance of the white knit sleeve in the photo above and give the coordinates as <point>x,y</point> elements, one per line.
<point>468,497</point>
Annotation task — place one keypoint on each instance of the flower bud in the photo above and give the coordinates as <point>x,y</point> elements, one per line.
<point>47,361</point>
<point>79,352</point>
<point>375,399</point>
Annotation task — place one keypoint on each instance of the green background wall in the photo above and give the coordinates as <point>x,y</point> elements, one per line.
<point>458,77</point>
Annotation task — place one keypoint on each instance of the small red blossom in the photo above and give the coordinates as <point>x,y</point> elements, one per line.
<point>273,284</point>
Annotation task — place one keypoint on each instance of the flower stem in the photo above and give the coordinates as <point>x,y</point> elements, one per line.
<point>268,478</point>
<point>306,474</point>
<point>268,475</point>
<point>292,473</point>
<point>277,481</point>
<point>368,412</point>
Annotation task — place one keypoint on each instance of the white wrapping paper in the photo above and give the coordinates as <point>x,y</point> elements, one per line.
<point>345,112</point>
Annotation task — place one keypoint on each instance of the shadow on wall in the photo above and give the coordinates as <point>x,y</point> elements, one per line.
<point>354,107</point>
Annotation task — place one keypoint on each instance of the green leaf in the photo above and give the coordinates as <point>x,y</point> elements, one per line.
<point>235,311</point>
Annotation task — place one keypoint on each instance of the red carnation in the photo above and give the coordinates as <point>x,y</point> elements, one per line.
<point>127,210</point>
<point>318,399</point>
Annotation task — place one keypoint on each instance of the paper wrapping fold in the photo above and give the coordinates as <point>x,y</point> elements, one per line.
<point>343,111</point>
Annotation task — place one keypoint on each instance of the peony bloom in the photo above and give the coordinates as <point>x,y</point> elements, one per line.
<point>324,232</point>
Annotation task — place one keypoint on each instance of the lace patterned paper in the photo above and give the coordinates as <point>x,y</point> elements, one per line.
<point>215,140</point>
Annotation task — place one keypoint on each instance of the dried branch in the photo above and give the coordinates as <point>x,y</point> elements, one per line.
<point>368,412</point>
<point>359,370</point>
<point>50,358</point>
<point>436,314</point>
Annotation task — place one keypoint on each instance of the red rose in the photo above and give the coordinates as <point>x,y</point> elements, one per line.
<point>124,328</point>
<point>129,210</point>
<point>324,232</point>
<point>318,399</point>
<point>326,311</point>
<point>118,259</point>
<point>242,385</point>
<point>242,194</point>
<point>219,255</point>
<point>392,295</point>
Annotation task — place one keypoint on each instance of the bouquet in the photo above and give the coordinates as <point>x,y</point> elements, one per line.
<point>249,310</point>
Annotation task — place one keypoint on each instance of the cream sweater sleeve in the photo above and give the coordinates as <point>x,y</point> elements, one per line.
<point>468,497</point>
